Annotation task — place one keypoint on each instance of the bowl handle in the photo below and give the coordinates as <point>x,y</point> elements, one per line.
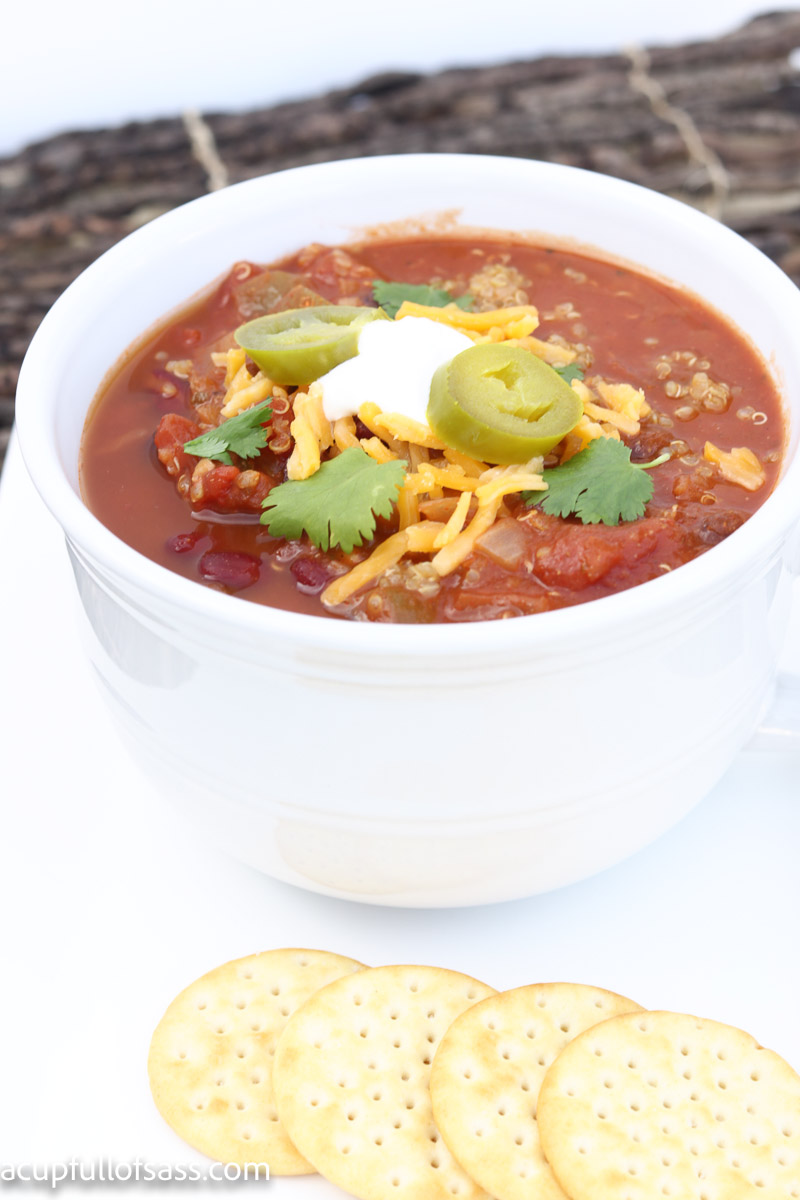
<point>780,728</point>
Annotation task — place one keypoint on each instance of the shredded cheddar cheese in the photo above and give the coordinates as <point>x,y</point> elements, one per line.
<point>416,539</point>
<point>344,433</point>
<point>315,415</point>
<point>455,522</point>
<point>232,360</point>
<point>429,476</point>
<point>305,458</point>
<point>421,537</point>
<point>623,398</point>
<point>367,415</point>
<point>470,466</point>
<point>508,485</point>
<point>496,325</point>
<point>553,354</point>
<point>453,554</point>
<point>407,507</point>
<point>377,450</point>
<point>584,433</point>
<point>244,391</point>
<point>312,433</point>
<point>740,466</point>
<point>608,416</point>
<point>404,429</point>
<point>596,422</point>
<point>435,471</point>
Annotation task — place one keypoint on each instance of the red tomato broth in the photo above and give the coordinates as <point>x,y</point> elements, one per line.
<point>126,486</point>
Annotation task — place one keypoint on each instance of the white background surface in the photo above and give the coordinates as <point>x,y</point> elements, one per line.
<point>109,906</point>
<point>88,63</point>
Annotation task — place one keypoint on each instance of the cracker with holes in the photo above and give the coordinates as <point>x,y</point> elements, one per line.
<point>211,1056</point>
<point>656,1104</point>
<point>351,1081</point>
<point>487,1073</point>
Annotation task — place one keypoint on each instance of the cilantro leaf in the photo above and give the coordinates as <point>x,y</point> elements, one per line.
<point>599,484</point>
<point>337,505</point>
<point>569,371</point>
<point>243,434</point>
<point>391,295</point>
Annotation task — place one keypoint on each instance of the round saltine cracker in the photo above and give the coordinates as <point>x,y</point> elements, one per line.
<point>210,1061</point>
<point>487,1073</point>
<point>659,1104</point>
<point>351,1082</point>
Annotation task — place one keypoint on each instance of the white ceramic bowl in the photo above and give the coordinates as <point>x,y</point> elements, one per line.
<point>432,765</point>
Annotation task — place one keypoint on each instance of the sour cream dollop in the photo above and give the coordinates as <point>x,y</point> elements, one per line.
<point>394,366</point>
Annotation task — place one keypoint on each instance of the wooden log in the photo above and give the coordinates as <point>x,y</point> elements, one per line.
<point>66,199</point>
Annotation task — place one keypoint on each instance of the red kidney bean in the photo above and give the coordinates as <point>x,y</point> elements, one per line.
<point>183,542</point>
<point>311,574</point>
<point>230,568</point>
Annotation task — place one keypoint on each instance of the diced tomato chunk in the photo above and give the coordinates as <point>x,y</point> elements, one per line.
<point>173,430</point>
<point>694,486</point>
<point>585,554</point>
<point>577,559</point>
<point>218,482</point>
<point>337,274</point>
<point>228,489</point>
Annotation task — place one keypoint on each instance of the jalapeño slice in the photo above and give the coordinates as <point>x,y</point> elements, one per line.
<point>501,404</point>
<point>301,344</point>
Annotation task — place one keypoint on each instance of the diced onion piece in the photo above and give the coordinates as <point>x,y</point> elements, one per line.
<point>505,542</point>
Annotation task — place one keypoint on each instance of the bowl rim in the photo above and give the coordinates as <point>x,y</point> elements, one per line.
<point>731,559</point>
